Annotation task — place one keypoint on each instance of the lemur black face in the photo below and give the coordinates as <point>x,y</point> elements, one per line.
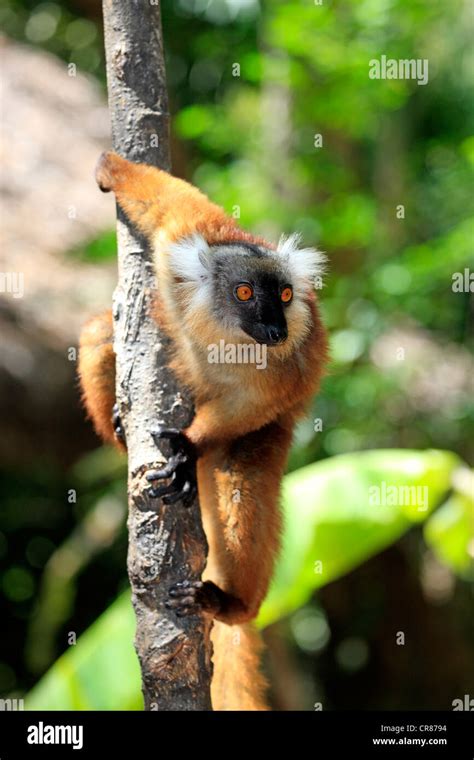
<point>253,294</point>
<point>261,309</point>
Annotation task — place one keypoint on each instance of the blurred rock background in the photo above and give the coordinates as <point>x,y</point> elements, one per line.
<point>53,128</point>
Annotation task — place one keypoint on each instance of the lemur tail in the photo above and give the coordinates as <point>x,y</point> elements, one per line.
<point>237,683</point>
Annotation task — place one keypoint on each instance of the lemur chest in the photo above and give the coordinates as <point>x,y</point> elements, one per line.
<point>238,383</point>
<point>242,385</point>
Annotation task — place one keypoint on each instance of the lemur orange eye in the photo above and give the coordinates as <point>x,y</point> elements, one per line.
<point>286,294</point>
<point>244,292</point>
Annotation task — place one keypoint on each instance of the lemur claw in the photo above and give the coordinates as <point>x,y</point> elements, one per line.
<point>117,423</point>
<point>191,597</point>
<point>180,468</point>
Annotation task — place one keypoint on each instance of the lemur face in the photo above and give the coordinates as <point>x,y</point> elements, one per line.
<point>251,292</point>
<point>248,289</point>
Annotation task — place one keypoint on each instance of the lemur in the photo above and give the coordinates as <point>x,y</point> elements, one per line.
<point>217,282</point>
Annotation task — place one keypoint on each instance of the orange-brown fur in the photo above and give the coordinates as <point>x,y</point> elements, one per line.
<point>97,373</point>
<point>243,423</point>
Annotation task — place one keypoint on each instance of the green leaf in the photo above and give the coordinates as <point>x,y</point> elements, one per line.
<point>450,531</point>
<point>333,521</point>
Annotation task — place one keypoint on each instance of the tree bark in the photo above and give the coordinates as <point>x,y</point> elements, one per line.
<point>166,543</point>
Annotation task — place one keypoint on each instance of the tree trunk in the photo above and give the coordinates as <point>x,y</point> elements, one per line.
<point>166,543</point>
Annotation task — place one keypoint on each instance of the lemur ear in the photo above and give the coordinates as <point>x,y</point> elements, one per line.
<point>190,258</point>
<point>306,265</point>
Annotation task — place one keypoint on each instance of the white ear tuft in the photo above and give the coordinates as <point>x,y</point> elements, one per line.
<point>306,265</point>
<point>289,243</point>
<point>189,258</point>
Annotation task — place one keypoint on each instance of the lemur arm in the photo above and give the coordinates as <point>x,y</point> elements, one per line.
<point>155,200</point>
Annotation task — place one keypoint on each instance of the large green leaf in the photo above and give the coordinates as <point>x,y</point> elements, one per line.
<point>450,531</point>
<point>332,524</point>
<point>333,521</point>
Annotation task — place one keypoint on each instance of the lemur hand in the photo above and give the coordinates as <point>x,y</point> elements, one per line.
<point>180,468</point>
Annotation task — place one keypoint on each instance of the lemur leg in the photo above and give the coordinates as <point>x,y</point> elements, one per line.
<point>97,376</point>
<point>239,504</point>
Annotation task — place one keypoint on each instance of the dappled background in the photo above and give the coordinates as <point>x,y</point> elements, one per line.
<point>252,85</point>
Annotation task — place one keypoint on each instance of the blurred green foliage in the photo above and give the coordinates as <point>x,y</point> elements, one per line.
<point>100,249</point>
<point>252,85</point>
<point>100,673</point>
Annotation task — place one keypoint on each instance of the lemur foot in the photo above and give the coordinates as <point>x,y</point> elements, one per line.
<point>192,597</point>
<point>180,468</point>
<point>117,423</point>
<point>108,170</point>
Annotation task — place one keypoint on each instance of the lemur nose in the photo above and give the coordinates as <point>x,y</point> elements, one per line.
<point>276,334</point>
